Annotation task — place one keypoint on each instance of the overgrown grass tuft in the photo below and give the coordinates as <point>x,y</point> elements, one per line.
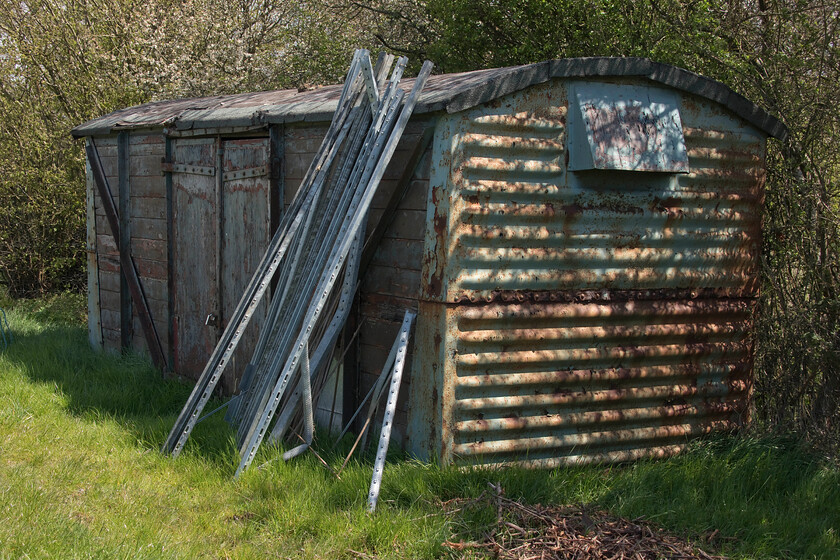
<point>81,477</point>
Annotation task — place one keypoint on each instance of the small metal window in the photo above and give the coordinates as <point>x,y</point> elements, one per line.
<point>628,128</point>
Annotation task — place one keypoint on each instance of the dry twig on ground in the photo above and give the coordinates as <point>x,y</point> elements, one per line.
<point>536,532</point>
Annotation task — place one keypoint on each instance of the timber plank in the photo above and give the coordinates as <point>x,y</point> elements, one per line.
<point>149,228</point>
<point>151,249</point>
<point>147,207</point>
<point>399,253</point>
<point>392,281</point>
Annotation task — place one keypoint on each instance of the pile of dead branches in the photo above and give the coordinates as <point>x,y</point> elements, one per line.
<point>535,532</point>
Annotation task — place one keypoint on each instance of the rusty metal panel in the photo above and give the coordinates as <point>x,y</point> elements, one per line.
<point>625,128</point>
<point>497,174</point>
<point>585,316</point>
<point>245,237</point>
<point>428,435</point>
<point>507,216</point>
<point>194,229</point>
<point>553,383</point>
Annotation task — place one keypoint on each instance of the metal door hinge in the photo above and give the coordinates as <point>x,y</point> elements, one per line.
<point>258,171</point>
<point>169,167</point>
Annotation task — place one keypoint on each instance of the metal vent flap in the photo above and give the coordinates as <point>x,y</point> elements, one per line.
<point>626,128</point>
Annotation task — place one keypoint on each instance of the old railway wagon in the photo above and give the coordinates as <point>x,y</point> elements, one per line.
<point>579,237</point>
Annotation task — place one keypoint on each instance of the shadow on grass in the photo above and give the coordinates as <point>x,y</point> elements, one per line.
<point>127,389</point>
<point>766,497</point>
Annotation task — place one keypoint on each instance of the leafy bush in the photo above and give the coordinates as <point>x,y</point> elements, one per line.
<point>63,62</point>
<point>42,238</point>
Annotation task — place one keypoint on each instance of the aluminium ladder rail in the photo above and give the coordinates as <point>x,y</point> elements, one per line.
<point>252,396</point>
<point>317,263</point>
<point>262,276</point>
<point>401,346</point>
<point>337,258</point>
<point>323,351</point>
<point>279,353</point>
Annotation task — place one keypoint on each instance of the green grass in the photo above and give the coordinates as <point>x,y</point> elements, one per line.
<point>81,477</point>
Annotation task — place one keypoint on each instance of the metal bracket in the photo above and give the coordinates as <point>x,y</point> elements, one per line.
<point>245,173</point>
<point>168,167</point>
<point>401,347</point>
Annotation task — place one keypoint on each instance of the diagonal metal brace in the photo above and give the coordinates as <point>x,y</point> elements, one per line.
<point>126,261</point>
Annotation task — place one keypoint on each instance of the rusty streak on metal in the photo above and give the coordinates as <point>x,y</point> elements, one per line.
<point>558,380</point>
<point>126,261</point>
<point>570,317</point>
<point>584,296</point>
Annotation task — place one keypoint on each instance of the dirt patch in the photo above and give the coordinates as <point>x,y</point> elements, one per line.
<point>535,532</point>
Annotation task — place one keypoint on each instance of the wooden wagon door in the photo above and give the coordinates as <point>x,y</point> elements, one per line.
<point>246,225</point>
<point>222,223</point>
<point>195,230</point>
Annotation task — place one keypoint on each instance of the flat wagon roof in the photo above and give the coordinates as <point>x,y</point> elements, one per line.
<point>444,92</point>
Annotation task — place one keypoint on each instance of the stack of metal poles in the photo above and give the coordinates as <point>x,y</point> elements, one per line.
<point>315,255</point>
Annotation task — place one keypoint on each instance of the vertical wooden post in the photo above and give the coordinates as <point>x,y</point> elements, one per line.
<point>276,180</point>
<point>220,233</point>
<point>94,308</point>
<point>170,254</point>
<point>126,311</point>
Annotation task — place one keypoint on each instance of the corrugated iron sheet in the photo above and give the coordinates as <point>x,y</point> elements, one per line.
<point>518,221</point>
<point>583,316</point>
<point>569,382</point>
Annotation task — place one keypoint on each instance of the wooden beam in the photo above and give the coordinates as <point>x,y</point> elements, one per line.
<point>126,312</point>
<point>220,235</point>
<point>170,254</point>
<point>94,307</point>
<point>126,262</point>
<point>277,183</point>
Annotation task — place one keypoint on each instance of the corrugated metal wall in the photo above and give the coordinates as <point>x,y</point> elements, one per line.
<point>574,316</point>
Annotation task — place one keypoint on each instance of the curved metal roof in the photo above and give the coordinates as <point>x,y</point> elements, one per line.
<point>444,92</point>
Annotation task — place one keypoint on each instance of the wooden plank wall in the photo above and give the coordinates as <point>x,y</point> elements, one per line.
<point>109,260</point>
<point>148,232</point>
<point>94,314</point>
<point>148,238</point>
<point>392,282</point>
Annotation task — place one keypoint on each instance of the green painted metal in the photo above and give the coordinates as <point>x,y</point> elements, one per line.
<point>622,127</point>
<point>578,316</point>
